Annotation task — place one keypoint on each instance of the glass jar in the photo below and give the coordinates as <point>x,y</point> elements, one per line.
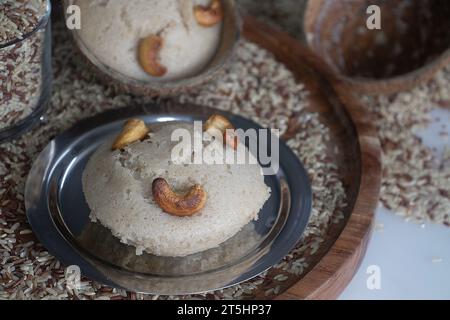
<point>25,64</point>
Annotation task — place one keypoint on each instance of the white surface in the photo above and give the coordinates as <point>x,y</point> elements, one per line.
<point>413,260</point>
<point>405,252</point>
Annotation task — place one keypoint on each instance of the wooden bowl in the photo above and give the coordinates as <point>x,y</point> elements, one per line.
<point>359,163</point>
<point>412,45</point>
<point>123,84</point>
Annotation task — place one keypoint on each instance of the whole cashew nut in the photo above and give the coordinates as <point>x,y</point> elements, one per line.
<point>208,16</point>
<point>222,124</point>
<point>133,130</point>
<point>176,204</point>
<point>149,58</point>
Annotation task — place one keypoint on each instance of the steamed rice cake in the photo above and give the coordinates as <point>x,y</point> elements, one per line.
<point>118,189</point>
<point>112,29</point>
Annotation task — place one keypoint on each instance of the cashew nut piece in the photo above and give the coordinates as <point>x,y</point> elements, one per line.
<point>222,124</point>
<point>208,16</point>
<point>176,204</point>
<point>231,139</point>
<point>149,58</point>
<point>133,130</point>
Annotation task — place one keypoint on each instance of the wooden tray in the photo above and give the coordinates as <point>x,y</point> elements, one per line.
<point>359,163</point>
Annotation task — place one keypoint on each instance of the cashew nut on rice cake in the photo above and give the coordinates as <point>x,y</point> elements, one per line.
<point>166,206</point>
<point>151,40</point>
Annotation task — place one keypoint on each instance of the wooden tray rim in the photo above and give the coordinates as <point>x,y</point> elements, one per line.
<point>331,275</point>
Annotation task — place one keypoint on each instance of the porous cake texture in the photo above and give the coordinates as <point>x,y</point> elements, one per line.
<point>111,30</point>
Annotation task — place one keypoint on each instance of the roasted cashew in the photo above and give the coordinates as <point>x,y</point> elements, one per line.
<point>133,130</point>
<point>230,137</point>
<point>222,124</point>
<point>176,204</point>
<point>149,58</point>
<point>208,16</point>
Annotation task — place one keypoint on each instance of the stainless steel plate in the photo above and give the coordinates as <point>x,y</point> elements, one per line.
<point>59,215</point>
